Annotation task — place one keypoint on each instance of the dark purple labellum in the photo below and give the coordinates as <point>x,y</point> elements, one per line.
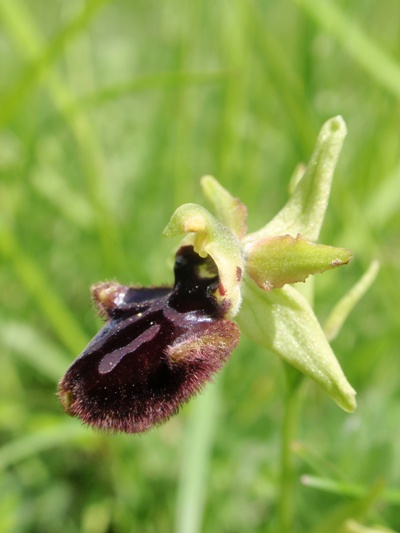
<point>157,349</point>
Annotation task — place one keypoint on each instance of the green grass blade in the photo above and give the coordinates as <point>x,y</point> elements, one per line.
<point>27,36</point>
<point>195,462</point>
<point>17,19</point>
<point>286,82</point>
<point>40,441</point>
<point>382,204</point>
<point>356,42</point>
<point>348,489</point>
<point>346,304</point>
<point>157,81</point>
<point>64,324</point>
<point>34,348</point>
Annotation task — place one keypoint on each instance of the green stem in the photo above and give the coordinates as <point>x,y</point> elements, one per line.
<point>196,457</point>
<point>289,424</point>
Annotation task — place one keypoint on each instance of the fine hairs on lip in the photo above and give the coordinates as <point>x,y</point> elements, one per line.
<point>158,348</point>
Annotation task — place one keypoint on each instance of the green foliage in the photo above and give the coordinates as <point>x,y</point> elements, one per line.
<point>110,112</point>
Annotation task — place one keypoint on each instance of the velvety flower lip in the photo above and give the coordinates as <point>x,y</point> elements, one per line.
<point>157,349</point>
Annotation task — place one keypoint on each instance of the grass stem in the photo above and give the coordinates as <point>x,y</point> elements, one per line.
<point>288,429</point>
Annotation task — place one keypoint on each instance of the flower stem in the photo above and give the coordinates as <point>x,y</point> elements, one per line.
<point>289,424</point>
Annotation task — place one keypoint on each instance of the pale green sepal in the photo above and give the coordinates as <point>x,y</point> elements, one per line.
<point>229,210</point>
<point>346,304</point>
<point>305,209</point>
<point>275,261</point>
<point>213,238</point>
<point>282,321</point>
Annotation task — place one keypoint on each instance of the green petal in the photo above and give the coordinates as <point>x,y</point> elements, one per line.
<point>282,321</point>
<point>229,210</point>
<point>275,261</point>
<point>304,212</point>
<point>211,237</point>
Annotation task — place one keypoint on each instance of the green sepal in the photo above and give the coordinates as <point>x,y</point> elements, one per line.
<point>229,210</point>
<point>304,211</point>
<point>283,322</point>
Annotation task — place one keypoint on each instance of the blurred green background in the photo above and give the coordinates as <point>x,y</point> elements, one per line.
<point>110,112</point>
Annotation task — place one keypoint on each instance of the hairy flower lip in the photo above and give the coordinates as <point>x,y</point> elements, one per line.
<point>157,349</point>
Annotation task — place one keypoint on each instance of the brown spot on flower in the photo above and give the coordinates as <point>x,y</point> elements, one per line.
<point>221,289</point>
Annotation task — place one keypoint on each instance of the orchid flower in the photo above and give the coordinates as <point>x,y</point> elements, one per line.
<point>160,346</point>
